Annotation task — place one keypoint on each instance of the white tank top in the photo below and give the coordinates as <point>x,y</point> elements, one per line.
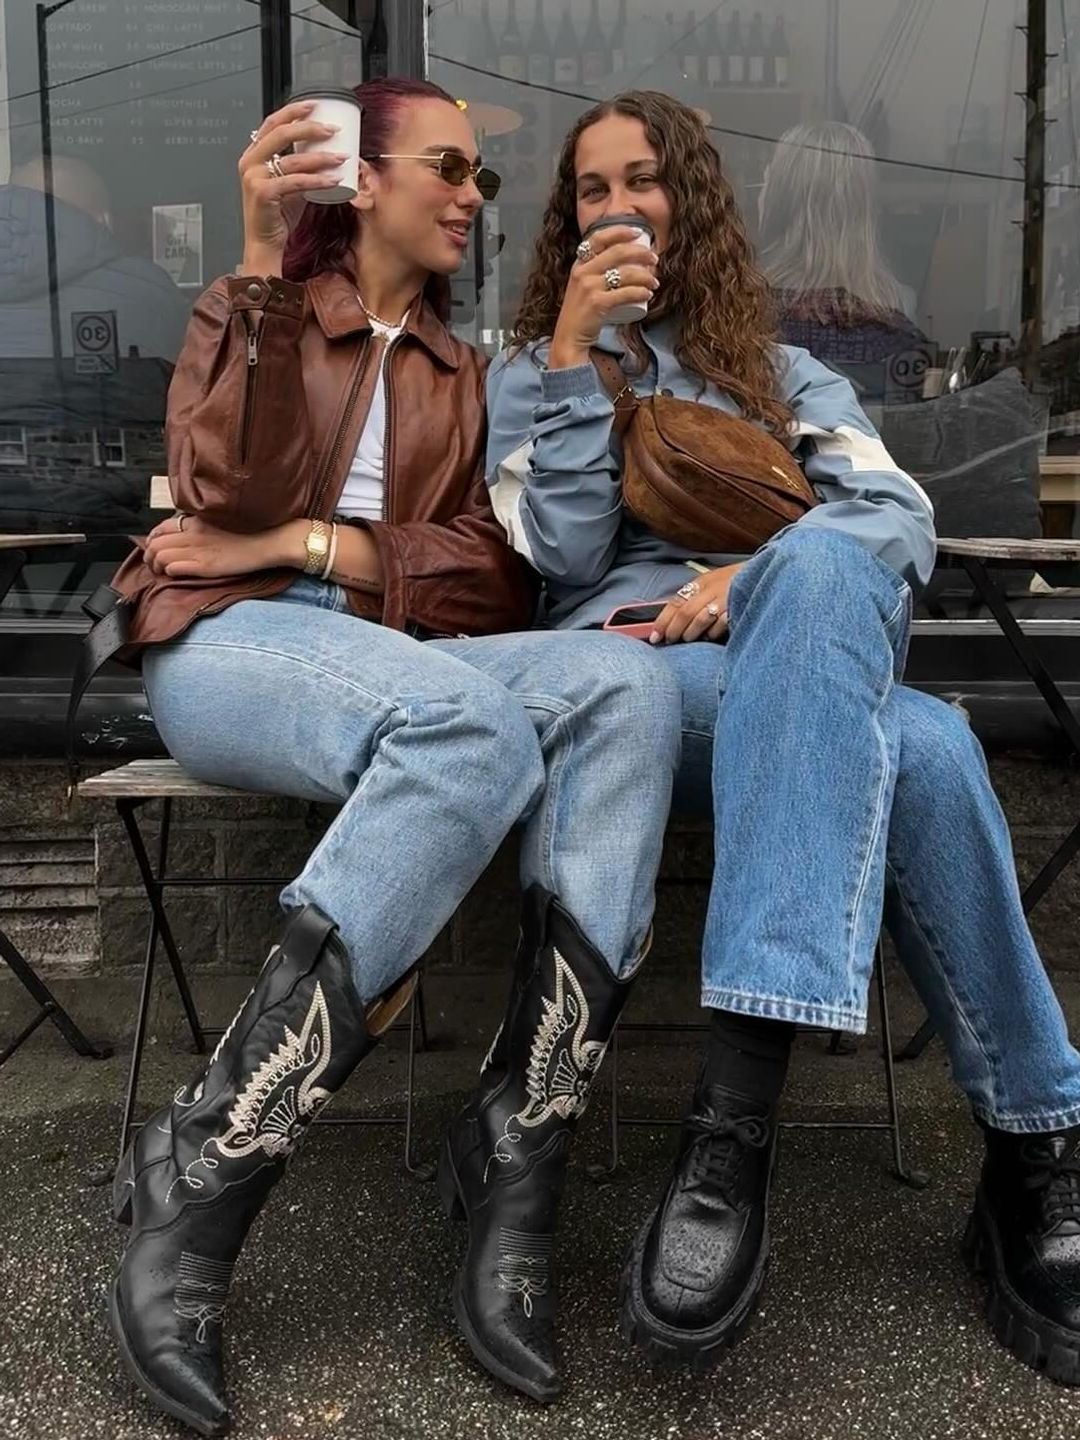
<point>362,497</point>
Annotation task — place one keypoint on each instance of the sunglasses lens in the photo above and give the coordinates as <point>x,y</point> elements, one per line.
<point>454,169</point>
<point>488,182</point>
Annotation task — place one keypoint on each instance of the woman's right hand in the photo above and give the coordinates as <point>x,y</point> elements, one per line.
<point>271,205</point>
<point>587,300</point>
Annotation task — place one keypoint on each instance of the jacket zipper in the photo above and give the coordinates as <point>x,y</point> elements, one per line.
<point>335,449</point>
<point>387,396</point>
<point>249,393</point>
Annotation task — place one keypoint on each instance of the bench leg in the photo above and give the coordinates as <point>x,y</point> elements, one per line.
<point>152,884</point>
<point>917,1179</point>
<point>423,1170</point>
<point>49,1008</point>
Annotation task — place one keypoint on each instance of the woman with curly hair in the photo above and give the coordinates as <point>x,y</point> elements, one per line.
<point>835,790</point>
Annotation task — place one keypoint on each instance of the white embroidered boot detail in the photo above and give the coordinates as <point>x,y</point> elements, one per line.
<point>200,1170</point>
<point>504,1161</point>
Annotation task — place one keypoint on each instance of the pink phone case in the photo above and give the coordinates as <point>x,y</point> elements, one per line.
<point>640,630</point>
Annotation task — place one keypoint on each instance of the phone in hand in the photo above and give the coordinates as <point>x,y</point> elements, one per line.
<point>638,621</point>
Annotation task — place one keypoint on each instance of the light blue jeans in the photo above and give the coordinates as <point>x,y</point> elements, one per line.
<point>838,793</point>
<point>434,751</point>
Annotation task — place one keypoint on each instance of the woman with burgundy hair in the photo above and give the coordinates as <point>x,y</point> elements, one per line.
<point>319,619</point>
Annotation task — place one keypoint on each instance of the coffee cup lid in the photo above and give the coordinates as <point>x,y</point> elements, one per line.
<point>324,92</point>
<point>636,221</point>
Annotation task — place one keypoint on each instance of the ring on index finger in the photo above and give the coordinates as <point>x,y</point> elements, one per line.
<point>688,591</point>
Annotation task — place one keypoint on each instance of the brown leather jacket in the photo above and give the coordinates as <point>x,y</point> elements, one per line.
<point>265,412</point>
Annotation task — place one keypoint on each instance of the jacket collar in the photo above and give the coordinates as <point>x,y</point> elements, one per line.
<point>339,312</point>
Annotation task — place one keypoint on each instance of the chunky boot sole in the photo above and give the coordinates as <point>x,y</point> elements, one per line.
<point>453,1202</point>
<point>147,1387</point>
<point>1050,1349</point>
<point>664,1345</point>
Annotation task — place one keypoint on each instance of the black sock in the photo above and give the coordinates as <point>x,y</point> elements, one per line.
<point>748,1055</point>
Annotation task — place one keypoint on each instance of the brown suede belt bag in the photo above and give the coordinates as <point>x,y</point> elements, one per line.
<point>699,478</point>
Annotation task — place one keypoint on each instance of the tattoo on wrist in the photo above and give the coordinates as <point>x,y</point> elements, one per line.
<point>360,582</point>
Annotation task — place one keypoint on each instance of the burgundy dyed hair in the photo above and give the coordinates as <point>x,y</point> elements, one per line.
<point>325,235</point>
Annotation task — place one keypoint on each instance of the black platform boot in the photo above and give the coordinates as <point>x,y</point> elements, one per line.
<point>504,1161</point>
<point>1024,1237</point>
<point>696,1270</point>
<point>199,1171</point>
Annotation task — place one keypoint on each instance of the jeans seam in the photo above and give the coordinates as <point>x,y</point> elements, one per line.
<point>303,660</point>
<point>874,837</point>
<point>553,772</point>
<point>960,1007</point>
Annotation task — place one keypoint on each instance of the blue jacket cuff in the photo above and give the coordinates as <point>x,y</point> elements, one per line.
<point>577,382</point>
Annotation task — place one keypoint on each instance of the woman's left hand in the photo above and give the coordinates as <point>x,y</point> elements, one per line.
<point>187,548</point>
<point>699,611</point>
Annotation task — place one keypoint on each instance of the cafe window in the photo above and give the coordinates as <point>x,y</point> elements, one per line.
<point>872,147</point>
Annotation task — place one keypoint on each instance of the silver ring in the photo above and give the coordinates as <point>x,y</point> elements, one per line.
<point>688,591</point>
<point>713,609</point>
<point>585,252</point>
<point>254,136</point>
<point>612,279</point>
<point>273,166</point>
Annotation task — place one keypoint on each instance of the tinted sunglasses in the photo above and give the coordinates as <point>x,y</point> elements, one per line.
<point>455,170</point>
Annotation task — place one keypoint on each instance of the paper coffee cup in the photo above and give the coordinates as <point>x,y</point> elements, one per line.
<point>338,107</point>
<point>626,314</point>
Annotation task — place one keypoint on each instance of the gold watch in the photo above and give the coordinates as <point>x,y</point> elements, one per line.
<point>316,547</point>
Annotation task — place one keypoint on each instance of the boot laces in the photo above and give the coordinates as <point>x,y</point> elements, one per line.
<point>720,1147</point>
<point>1055,1172</point>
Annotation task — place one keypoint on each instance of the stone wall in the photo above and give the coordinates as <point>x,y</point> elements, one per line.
<point>69,891</point>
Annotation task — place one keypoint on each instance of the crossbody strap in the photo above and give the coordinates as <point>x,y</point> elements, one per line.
<point>615,382</point>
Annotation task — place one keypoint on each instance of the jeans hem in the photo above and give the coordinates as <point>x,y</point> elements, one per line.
<point>794,1012</point>
<point>1038,1123</point>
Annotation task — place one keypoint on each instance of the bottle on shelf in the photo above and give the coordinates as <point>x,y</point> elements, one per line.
<point>715,73</point>
<point>755,51</point>
<point>540,61</point>
<point>567,52</point>
<point>595,55</point>
<point>690,51</point>
<point>512,62</point>
<point>618,42</point>
<point>735,49</point>
<point>779,55</point>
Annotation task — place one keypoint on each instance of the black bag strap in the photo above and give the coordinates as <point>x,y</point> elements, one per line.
<point>107,635</point>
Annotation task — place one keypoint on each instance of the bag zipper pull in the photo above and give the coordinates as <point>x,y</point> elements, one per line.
<point>253,347</point>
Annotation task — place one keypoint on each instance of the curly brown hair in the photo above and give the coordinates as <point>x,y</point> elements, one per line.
<point>708,275</point>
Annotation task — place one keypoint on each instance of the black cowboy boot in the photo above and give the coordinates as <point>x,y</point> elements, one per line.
<point>697,1267</point>
<point>199,1171</point>
<point>504,1161</point>
<point>1024,1237</point>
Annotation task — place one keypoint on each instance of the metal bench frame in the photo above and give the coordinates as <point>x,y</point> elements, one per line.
<point>135,785</point>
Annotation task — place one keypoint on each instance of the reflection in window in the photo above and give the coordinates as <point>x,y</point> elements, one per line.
<point>12,445</point>
<point>110,448</point>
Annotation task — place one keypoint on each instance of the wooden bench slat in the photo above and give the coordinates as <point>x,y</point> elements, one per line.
<point>146,779</point>
<point>1002,547</point>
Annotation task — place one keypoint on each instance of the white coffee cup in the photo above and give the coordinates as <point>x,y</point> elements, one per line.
<point>338,107</point>
<point>631,313</point>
